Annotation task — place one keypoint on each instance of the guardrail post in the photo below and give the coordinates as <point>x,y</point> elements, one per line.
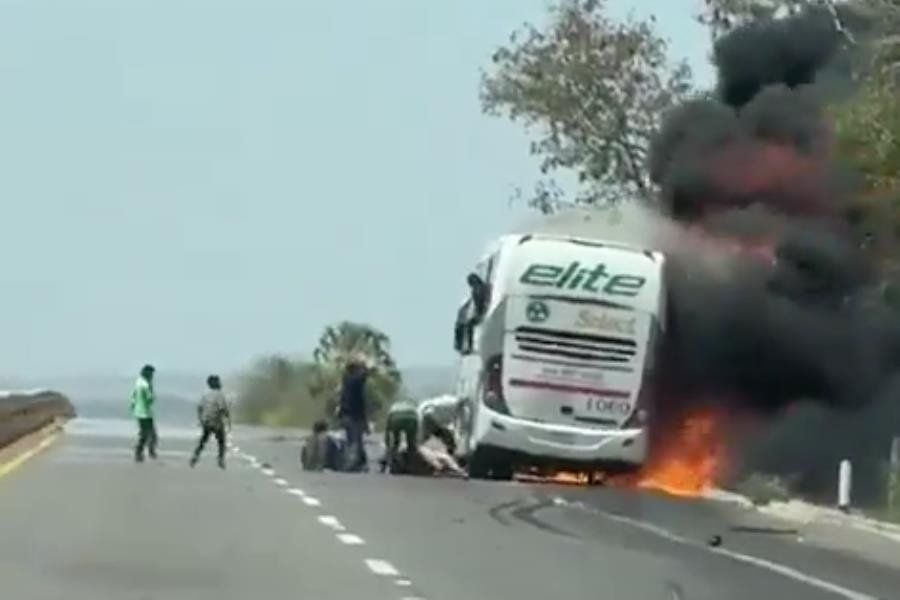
<point>893,495</point>
<point>845,484</point>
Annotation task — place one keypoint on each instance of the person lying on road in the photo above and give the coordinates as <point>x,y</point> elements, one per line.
<point>428,442</point>
<point>441,462</point>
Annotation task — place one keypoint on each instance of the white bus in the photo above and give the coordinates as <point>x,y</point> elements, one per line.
<point>557,338</point>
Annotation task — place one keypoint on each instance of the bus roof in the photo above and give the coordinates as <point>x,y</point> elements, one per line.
<point>523,238</point>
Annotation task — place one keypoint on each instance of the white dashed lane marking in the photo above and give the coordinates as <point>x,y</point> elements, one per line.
<point>381,567</point>
<point>350,539</point>
<point>375,565</point>
<point>330,521</point>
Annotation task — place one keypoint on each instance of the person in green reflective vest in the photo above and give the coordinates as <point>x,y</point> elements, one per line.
<point>142,401</point>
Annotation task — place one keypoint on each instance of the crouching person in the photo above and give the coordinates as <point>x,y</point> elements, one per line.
<point>428,443</point>
<point>321,450</point>
<point>402,427</point>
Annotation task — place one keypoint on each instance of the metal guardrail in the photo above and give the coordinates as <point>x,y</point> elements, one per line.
<point>26,411</point>
<point>31,392</point>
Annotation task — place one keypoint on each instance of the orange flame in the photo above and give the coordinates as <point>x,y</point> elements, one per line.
<point>557,477</point>
<point>689,462</point>
<point>686,463</point>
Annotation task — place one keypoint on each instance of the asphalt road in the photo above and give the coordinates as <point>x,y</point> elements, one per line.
<point>82,521</point>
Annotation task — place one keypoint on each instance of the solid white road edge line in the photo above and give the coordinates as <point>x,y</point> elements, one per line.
<point>381,567</point>
<point>745,558</point>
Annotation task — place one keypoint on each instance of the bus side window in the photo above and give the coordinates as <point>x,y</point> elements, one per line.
<point>462,330</point>
<point>488,279</point>
<point>489,272</point>
<point>478,296</point>
<point>474,308</point>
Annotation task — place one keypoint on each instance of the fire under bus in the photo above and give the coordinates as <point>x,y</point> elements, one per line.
<point>556,356</point>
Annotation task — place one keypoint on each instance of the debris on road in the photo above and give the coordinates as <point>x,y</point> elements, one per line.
<point>768,530</point>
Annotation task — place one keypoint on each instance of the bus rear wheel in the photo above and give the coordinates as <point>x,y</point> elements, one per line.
<point>486,463</point>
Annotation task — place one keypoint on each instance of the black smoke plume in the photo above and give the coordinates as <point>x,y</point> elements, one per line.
<point>801,323</point>
<point>787,51</point>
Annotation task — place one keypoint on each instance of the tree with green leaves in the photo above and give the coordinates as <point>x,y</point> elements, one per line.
<point>595,90</point>
<point>279,391</point>
<point>275,391</point>
<point>345,342</point>
<point>867,135</point>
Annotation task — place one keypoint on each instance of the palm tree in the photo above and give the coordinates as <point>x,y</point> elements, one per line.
<point>345,342</point>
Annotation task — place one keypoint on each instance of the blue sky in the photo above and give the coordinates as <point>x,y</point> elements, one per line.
<point>195,183</point>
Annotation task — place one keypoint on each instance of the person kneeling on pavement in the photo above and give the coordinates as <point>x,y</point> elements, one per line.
<point>436,417</point>
<point>321,450</point>
<point>429,443</point>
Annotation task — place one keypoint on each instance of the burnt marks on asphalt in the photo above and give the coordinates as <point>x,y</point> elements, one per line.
<point>526,510</point>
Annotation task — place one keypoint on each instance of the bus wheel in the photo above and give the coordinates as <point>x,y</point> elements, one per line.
<point>479,465</point>
<point>487,463</point>
<point>502,472</point>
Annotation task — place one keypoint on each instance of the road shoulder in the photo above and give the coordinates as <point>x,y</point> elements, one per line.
<point>27,447</point>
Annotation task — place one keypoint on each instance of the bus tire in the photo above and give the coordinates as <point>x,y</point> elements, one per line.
<point>486,463</point>
<point>478,464</point>
<point>502,471</point>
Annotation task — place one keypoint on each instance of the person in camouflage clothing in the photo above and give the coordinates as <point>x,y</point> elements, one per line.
<point>402,422</point>
<point>214,416</point>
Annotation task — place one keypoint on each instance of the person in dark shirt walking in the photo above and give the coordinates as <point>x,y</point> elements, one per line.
<point>213,415</point>
<point>353,415</point>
